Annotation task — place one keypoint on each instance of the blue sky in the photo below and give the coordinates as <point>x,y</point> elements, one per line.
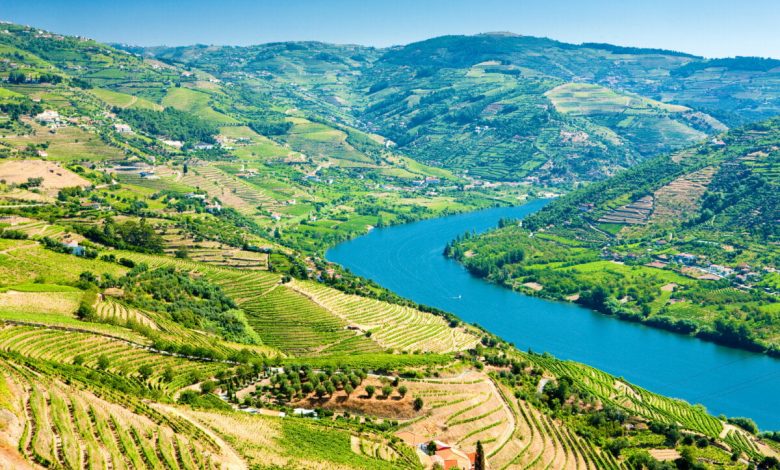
<point>713,28</point>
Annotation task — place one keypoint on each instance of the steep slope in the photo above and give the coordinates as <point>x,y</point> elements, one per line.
<point>687,242</point>
<point>500,106</point>
<point>162,304</point>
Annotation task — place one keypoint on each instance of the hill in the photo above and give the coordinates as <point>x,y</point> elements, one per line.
<point>494,106</point>
<point>164,304</point>
<point>686,242</point>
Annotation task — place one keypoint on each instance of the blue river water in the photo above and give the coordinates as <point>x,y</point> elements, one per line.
<point>408,260</point>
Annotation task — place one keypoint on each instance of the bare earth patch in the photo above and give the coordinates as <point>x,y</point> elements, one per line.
<point>54,176</point>
<point>664,455</point>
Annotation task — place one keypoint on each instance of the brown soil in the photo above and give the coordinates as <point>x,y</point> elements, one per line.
<point>54,176</point>
<point>358,402</point>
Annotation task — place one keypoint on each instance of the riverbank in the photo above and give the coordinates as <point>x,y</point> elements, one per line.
<point>408,260</point>
<point>660,295</point>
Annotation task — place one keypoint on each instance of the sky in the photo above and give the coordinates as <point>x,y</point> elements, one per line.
<point>712,28</point>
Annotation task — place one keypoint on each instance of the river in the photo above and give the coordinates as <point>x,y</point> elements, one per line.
<point>408,260</point>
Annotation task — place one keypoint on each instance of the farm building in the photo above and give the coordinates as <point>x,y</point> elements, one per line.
<point>48,117</point>
<point>449,457</point>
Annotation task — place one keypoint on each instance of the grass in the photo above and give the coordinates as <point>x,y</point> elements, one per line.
<point>20,304</point>
<point>291,442</point>
<point>260,147</point>
<point>67,144</point>
<point>197,103</point>
<point>6,94</point>
<point>22,261</point>
<point>123,100</point>
<point>586,99</point>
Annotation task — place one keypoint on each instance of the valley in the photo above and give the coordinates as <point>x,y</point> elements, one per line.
<point>233,256</point>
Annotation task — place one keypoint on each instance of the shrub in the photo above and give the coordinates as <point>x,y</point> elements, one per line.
<point>745,423</point>
<point>103,362</point>
<point>208,387</point>
<point>418,404</point>
<point>145,371</point>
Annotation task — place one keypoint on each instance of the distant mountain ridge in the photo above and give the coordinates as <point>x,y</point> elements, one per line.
<point>483,105</point>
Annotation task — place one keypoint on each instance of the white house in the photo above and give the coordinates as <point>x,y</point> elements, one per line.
<point>122,128</point>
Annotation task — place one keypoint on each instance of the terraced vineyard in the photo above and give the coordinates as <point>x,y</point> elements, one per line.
<point>213,252</point>
<point>679,199</point>
<point>471,407</point>
<point>68,427</point>
<point>543,442</point>
<point>283,317</point>
<point>230,190</point>
<point>33,227</point>
<point>637,212</point>
<point>124,358</point>
<point>277,316</point>
<point>392,326</point>
<point>463,410</point>
<point>635,399</point>
<point>121,314</point>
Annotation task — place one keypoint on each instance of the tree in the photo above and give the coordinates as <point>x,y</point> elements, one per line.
<point>320,391</point>
<point>78,360</point>
<point>17,77</point>
<point>370,389</point>
<point>103,362</point>
<point>479,459</point>
<point>354,380</point>
<point>329,387</point>
<point>85,312</point>
<point>616,445</point>
<point>145,371</point>
<point>769,463</point>
<point>168,374</point>
<point>402,390</point>
<point>431,447</point>
<point>418,404</point>
<point>208,387</point>
<point>348,389</point>
<point>387,390</point>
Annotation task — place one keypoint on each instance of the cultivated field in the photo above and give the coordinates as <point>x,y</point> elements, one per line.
<point>69,427</point>
<point>230,190</point>
<point>197,103</point>
<point>63,346</point>
<point>392,326</point>
<point>66,144</point>
<point>679,200</point>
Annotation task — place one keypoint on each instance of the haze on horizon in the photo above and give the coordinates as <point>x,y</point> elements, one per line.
<point>711,28</point>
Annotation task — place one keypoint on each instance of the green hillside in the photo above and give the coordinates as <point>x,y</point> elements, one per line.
<point>685,242</point>
<point>493,106</point>
<point>164,301</point>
